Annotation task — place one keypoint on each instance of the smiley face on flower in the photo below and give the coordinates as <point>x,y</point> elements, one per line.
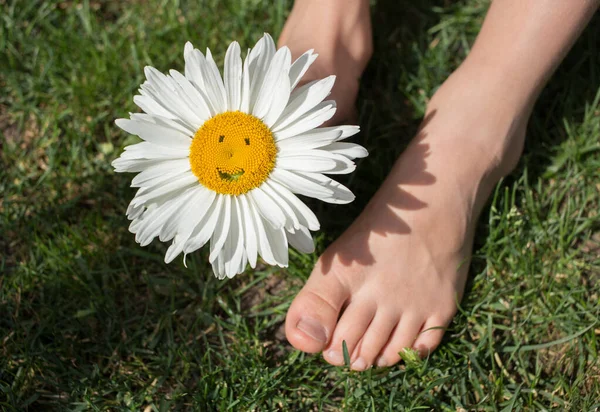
<point>223,158</point>
<point>233,153</point>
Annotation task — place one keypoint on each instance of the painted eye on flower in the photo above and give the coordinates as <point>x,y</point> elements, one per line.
<point>223,158</point>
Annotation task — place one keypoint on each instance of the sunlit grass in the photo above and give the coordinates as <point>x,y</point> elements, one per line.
<point>90,320</point>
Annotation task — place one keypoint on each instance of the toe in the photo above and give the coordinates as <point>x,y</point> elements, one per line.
<point>350,329</point>
<point>430,336</point>
<point>376,336</point>
<point>313,314</point>
<point>403,336</point>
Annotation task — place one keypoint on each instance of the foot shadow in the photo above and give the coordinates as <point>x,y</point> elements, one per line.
<point>390,223</point>
<point>389,122</point>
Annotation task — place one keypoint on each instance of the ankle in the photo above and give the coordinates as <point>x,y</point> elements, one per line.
<point>478,116</point>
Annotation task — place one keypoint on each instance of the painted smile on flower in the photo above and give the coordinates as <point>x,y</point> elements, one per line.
<point>223,158</point>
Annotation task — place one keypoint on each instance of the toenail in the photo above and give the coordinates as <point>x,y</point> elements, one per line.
<point>381,363</point>
<point>313,329</point>
<point>335,357</point>
<point>359,364</point>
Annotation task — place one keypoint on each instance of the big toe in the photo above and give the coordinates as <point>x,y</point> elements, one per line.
<point>314,312</point>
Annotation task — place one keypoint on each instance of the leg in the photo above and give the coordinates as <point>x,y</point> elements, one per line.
<point>340,32</point>
<point>400,268</point>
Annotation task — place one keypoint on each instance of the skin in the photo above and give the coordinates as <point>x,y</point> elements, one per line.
<point>399,270</point>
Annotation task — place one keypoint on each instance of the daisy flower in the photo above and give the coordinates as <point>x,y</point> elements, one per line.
<point>223,158</point>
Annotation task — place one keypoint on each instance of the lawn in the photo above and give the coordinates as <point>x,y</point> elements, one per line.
<point>89,320</point>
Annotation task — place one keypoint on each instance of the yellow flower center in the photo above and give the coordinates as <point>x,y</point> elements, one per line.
<point>233,153</point>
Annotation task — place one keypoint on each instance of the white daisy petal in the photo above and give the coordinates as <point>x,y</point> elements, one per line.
<point>250,239</point>
<point>309,140</point>
<point>214,83</point>
<point>155,220</point>
<point>177,225</point>
<point>277,71</point>
<point>341,194</point>
<point>153,133</point>
<point>133,212</point>
<point>225,256</point>
<point>220,264</point>
<point>190,96</point>
<point>151,106</point>
<point>269,47</point>
<point>134,165</point>
<point>245,91</point>
<point>281,94</point>
<point>314,118</point>
<point>149,232</point>
<point>233,76</point>
<point>305,216</point>
<point>305,163</point>
<point>316,160</point>
<point>218,267</point>
<point>175,249</point>
<point>316,138</point>
<point>267,208</point>
<point>162,88</point>
<point>150,101</point>
<point>253,58</point>
<point>301,240</point>
<point>195,98</point>
<point>150,151</point>
<point>189,217</point>
<point>264,247</point>
<point>174,124</point>
<point>291,220</point>
<point>300,185</point>
<point>260,60</point>
<point>170,225</point>
<point>170,168</point>
<point>138,223</point>
<point>300,66</point>
<point>239,257</point>
<point>176,185</point>
<point>205,229</point>
<point>213,98</point>
<point>304,99</point>
<point>220,234</point>
<point>346,130</point>
<point>233,251</point>
<point>278,241</point>
<point>350,150</point>
<point>243,262</point>
<point>193,66</point>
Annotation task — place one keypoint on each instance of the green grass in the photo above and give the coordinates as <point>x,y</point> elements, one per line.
<point>91,321</point>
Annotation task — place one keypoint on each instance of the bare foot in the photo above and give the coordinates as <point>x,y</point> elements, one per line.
<point>340,32</point>
<point>401,267</point>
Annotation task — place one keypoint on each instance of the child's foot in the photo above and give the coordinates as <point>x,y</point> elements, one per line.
<point>340,32</point>
<point>394,278</point>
